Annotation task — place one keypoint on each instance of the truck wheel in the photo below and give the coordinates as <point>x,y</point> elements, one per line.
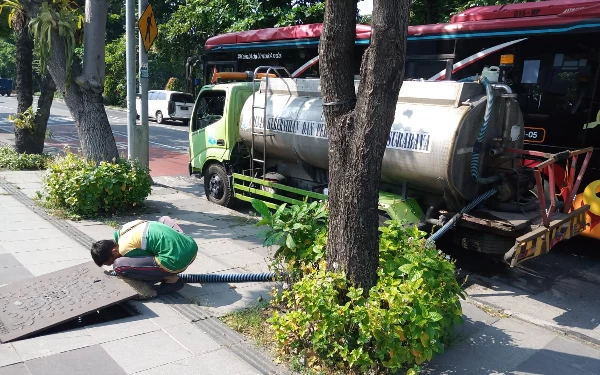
<point>159,117</point>
<point>217,185</point>
<point>486,243</point>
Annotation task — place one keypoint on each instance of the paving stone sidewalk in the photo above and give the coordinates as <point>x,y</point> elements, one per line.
<point>180,334</point>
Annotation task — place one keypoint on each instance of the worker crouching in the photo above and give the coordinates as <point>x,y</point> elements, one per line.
<point>152,251</point>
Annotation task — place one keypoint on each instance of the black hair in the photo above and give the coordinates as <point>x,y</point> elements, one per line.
<point>102,251</point>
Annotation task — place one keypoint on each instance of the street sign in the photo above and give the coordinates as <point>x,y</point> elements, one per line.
<point>148,27</point>
<point>144,70</point>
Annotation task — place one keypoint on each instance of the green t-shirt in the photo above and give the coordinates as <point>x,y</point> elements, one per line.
<point>172,250</point>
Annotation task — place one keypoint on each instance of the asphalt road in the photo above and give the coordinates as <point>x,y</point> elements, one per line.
<point>168,141</point>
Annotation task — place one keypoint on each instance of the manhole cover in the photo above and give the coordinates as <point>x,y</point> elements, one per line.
<point>32,305</point>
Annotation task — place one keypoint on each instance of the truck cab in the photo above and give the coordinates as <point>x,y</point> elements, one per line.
<point>214,135</point>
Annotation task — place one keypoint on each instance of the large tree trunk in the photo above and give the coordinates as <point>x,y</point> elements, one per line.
<point>33,142</point>
<point>83,94</point>
<point>24,62</point>
<point>358,128</point>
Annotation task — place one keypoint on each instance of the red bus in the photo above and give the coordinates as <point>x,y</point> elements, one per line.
<point>554,65</point>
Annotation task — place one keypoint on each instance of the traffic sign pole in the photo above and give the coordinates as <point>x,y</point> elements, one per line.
<point>142,136</point>
<point>130,67</point>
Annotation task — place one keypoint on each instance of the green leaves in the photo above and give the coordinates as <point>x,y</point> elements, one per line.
<point>83,188</point>
<point>405,319</point>
<point>10,159</point>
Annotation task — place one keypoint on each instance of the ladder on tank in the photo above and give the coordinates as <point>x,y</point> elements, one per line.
<point>274,72</point>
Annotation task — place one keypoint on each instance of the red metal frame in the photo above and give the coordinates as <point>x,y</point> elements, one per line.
<point>572,185</point>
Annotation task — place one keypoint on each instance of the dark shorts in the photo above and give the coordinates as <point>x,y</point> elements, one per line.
<point>144,268</point>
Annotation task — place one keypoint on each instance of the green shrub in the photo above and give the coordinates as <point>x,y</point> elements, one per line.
<point>406,319</point>
<point>174,84</point>
<point>301,232</point>
<point>84,189</point>
<point>12,160</point>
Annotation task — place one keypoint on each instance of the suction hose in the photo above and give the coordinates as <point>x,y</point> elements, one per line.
<point>489,89</point>
<point>456,217</point>
<point>221,278</point>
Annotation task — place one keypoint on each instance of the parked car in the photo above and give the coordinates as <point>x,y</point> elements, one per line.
<point>6,86</point>
<point>171,105</point>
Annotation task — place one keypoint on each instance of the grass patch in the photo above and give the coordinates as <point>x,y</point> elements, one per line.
<point>10,159</point>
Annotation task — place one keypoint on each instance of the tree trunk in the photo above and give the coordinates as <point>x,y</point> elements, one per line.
<point>358,128</point>
<point>24,62</point>
<point>33,143</point>
<point>83,94</point>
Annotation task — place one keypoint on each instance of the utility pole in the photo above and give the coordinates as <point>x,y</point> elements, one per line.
<point>130,65</point>
<point>142,136</point>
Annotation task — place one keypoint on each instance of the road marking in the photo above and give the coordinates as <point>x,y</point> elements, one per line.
<point>155,143</point>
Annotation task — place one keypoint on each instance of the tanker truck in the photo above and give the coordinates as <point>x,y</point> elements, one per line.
<point>454,162</point>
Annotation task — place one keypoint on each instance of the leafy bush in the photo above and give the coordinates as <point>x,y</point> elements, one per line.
<point>24,120</point>
<point>405,319</point>
<point>12,160</point>
<point>301,231</point>
<point>174,85</point>
<point>85,189</point>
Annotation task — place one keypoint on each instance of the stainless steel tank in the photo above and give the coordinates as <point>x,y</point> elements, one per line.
<point>431,140</point>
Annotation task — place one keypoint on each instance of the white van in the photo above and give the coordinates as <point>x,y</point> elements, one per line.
<point>164,104</point>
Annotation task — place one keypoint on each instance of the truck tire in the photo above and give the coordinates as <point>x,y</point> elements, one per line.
<point>217,185</point>
<point>486,243</point>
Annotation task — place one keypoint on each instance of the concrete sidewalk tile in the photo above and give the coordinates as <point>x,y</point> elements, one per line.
<point>250,230</point>
<point>34,243</point>
<point>192,338</point>
<point>248,242</point>
<point>218,248</point>
<point>44,268</point>
<point>28,258</point>
<point>204,264</point>
<point>16,369</point>
<point>475,320</point>
<point>30,233</point>
<point>219,362</point>
<point>8,355</point>
<point>8,225</point>
<point>18,218</point>
<point>12,270</point>
<point>42,346</point>
<point>543,363</point>
<point>98,232</point>
<point>119,329</point>
<point>145,351</point>
<point>17,210</point>
<point>226,297</point>
<point>222,309</point>
<point>194,290</point>
<point>93,360</point>
<point>239,259</point>
<point>579,355</point>
<point>162,315</point>
<point>498,348</point>
<point>9,201</point>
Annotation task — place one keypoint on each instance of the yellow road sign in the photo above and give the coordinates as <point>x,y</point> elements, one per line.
<point>148,27</point>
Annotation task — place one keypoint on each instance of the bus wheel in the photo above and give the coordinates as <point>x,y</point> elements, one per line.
<point>217,185</point>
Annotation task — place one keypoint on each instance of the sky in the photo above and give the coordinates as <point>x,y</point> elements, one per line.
<point>365,7</point>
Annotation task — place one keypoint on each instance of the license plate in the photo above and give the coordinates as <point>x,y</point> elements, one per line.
<point>185,108</point>
<point>541,240</point>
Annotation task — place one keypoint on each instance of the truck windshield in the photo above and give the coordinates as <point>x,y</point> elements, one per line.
<point>209,109</point>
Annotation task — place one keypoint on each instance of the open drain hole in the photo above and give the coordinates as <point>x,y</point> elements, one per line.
<point>107,314</point>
